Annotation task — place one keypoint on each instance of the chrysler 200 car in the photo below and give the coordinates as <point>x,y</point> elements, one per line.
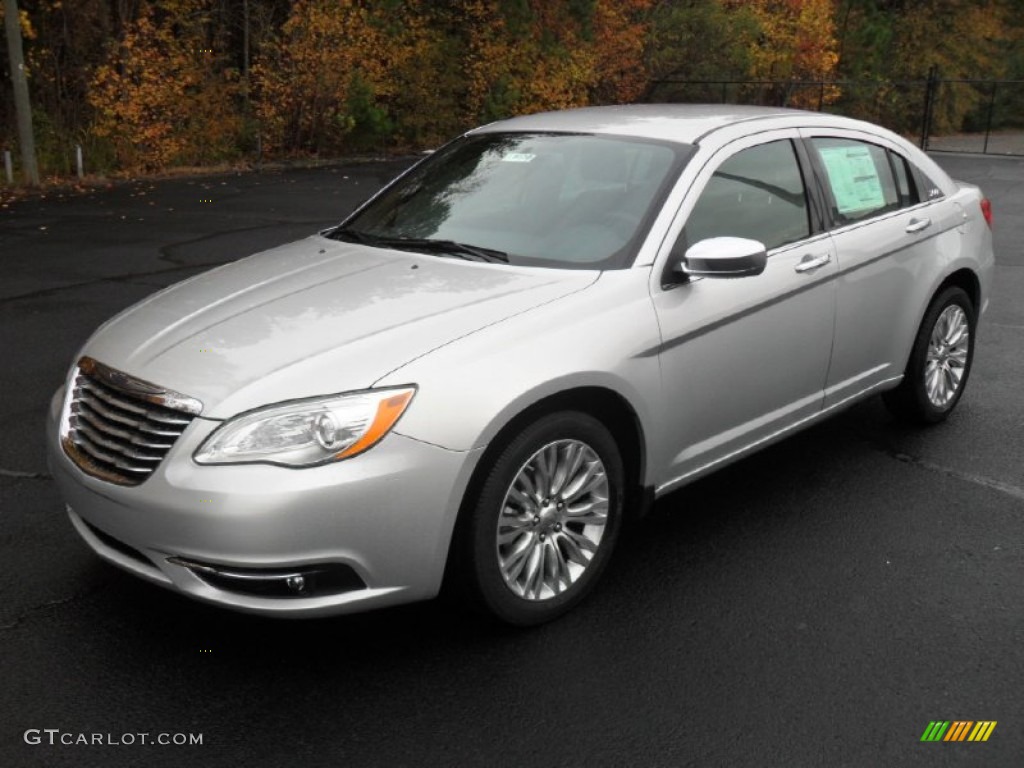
<point>478,376</point>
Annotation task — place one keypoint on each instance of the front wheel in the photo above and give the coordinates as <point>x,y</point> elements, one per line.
<point>940,361</point>
<point>547,515</point>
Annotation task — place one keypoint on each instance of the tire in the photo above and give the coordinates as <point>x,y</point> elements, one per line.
<point>940,361</point>
<point>554,496</point>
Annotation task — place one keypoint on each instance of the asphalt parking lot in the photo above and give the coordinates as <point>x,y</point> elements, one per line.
<point>815,605</point>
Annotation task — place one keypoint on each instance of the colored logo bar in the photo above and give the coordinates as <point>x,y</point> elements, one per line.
<point>958,730</point>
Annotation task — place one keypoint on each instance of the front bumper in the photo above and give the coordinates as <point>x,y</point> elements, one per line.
<point>371,531</point>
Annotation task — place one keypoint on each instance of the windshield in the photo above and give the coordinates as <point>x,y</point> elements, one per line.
<point>564,200</point>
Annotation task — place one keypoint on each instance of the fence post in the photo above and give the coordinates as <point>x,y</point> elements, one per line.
<point>78,162</point>
<point>929,105</point>
<point>8,166</point>
<point>988,121</point>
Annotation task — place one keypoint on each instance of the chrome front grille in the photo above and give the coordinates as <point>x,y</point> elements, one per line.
<point>119,428</point>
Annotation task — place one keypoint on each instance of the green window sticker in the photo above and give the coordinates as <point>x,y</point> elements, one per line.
<point>854,179</point>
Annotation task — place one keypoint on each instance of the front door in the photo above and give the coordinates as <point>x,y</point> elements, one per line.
<point>745,359</point>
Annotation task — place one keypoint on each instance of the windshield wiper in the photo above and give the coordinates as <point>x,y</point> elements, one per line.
<point>462,250</point>
<point>352,236</point>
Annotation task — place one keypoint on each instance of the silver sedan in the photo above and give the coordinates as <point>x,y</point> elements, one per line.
<point>475,380</point>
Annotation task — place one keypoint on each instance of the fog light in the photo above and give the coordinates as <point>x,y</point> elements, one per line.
<point>296,583</point>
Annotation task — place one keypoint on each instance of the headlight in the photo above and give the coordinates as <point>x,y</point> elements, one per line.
<point>305,433</point>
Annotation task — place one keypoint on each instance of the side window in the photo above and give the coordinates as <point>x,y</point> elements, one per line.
<point>859,177</point>
<point>758,193</point>
<point>904,180</point>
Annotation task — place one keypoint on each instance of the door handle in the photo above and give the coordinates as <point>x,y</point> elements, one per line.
<point>918,225</point>
<point>810,263</point>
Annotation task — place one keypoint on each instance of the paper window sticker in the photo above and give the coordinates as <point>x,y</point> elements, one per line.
<point>854,179</point>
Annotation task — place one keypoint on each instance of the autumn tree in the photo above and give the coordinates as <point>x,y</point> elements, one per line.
<point>796,42</point>
<point>167,94</point>
<point>69,41</point>
<point>153,83</point>
<point>527,58</point>
<point>897,42</point>
<point>533,56</point>
<point>620,30</point>
<point>347,75</point>
<point>329,75</point>
<point>695,46</point>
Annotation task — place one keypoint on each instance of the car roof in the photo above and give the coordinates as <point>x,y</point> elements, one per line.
<point>693,123</point>
<point>686,123</point>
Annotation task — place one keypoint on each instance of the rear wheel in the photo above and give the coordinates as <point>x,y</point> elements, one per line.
<point>546,518</point>
<point>940,361</point>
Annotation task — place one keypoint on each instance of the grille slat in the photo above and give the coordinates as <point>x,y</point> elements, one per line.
<point>98,454</point>
<point>120,418</point>
<point>112,445</point>
<point>108,429</point>
<point>121,433</point>
<point>110,399</point>
<point>148,410</point>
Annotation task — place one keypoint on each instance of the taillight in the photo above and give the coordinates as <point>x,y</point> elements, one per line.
<point>986,211</point>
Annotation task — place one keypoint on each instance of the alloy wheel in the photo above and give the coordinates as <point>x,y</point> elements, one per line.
<point>552,520</point>
<point>946,360</point>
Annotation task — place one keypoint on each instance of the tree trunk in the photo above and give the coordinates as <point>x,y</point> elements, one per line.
<point>245,40</point>
<point>245,54</point>
<point>22,106</point>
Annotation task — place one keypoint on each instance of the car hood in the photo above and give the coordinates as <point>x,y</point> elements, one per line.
<point>311,318</point>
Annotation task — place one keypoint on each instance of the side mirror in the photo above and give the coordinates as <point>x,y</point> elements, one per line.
<point>724,257</point>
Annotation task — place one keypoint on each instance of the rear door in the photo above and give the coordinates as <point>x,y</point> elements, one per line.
<point>888,226</point>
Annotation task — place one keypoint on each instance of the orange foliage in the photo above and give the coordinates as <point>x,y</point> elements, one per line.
<point>164,96</point>
<point>27,31</point>
<point>797,39</point>
<point>342,76</point>
<point>554,63</point>
<point>620,34</point>
<point>329,51</point>
<point>508,73</point>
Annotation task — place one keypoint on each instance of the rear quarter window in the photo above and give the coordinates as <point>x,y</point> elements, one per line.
<point>904,180</point>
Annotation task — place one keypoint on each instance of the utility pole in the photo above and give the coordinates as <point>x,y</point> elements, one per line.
<point>22,106</point>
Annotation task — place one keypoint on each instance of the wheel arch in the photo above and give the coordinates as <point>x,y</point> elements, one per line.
<point>606,405</point>
<point>911,400</point>
<point>964,278</point>
<point>967,280</point>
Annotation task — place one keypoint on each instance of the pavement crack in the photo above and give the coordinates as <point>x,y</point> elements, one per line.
<point>127,278</point>
<point>970,477</point>
<point>23,475</point>
<point>167,251</point>
<point>166,256</point>
<point>45,606</point>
